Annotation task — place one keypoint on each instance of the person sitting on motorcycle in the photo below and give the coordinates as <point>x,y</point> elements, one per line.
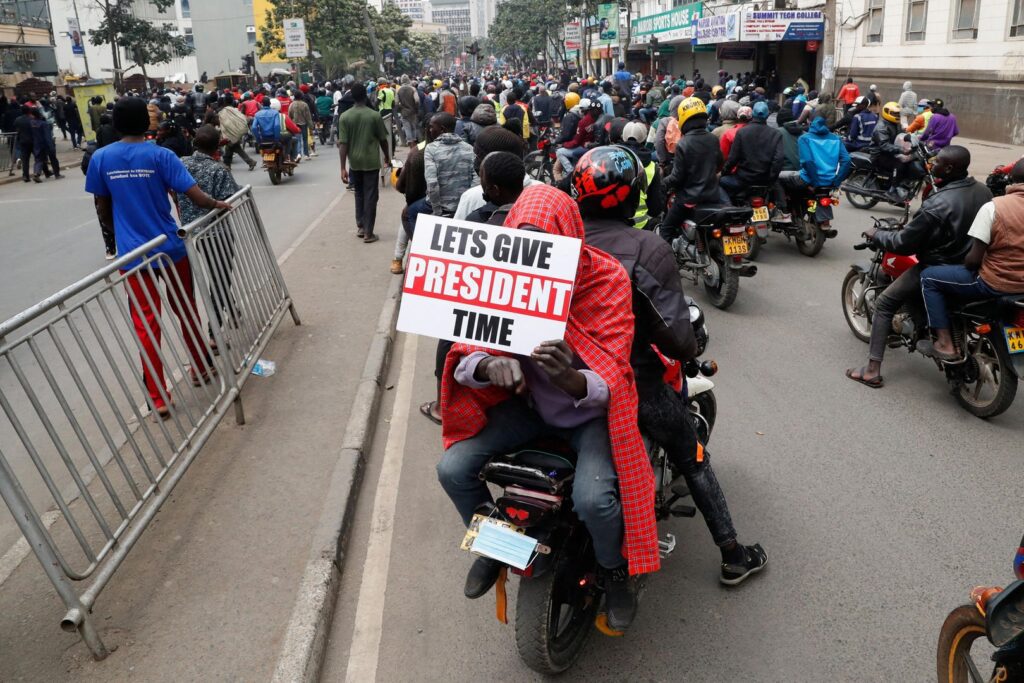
<point>937,235</point>
<point>887,154</point>
<point>270,125</point>
<point>607,184</point>
<point>580,389</point>
<point>743,116</point>
<point>756,156</point>
<point>994,266</point>
<point>695,167</point>
<point>862,126</point>
<point>652,196</point>
<point>572,150</point>
<point>824,162</point>
<point>924,114</point>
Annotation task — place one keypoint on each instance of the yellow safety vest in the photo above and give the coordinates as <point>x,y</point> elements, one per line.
<point>641,217</point>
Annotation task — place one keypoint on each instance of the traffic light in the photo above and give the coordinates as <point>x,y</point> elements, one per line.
<point>654,44</point>
<point>247,63</point>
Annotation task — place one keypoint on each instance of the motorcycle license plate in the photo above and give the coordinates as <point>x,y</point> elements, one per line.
<point>1014,339</point>
<point>735,246</point>
<point>268,156</point>
<point>761,213</point>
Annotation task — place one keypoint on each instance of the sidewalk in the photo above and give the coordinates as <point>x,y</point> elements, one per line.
<point>208,591</point>
<point>68,158</point>
<point>986,155</point>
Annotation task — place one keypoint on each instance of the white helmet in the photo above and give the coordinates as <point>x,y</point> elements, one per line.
<point>275,104</point>
<point>584,104</point>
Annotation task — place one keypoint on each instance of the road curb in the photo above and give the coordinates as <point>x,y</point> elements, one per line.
<point>302,651</point>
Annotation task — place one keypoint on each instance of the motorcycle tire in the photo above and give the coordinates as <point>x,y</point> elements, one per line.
<point>705,406</point>
<point>536,169</point>
<point>549,639</point>
<point>275,176</point>
<point>755,248</point>
<point>859,201</point>
<point>724,293</point>
<point>810,238</point>
<point>962,627</point>
<point>991,357</point>
<point>859,324</point>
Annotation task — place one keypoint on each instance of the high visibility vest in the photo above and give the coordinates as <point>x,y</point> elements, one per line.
<point>386,99</point>
<point>641,216</point>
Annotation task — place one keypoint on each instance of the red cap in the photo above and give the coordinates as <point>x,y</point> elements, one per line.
<point>304,88</point>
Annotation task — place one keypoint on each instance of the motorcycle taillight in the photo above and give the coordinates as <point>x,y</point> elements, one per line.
<point>757,202</point>
<point>826,201</point>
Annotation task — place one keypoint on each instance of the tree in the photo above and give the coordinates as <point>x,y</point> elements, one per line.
<point>524,28</point>
<point>148,43</point>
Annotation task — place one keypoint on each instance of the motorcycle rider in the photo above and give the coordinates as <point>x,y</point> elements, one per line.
<point>937,235</point>
<point>756,155</point>
<point>572,150</point>
<point>581,389</point>
<point>862,126</point>
<point>695,166</point>
<point>888,154</point>
<point>993,267</point>
<point>607,184</point>
<point>652,195</point>
<point>824,162</point>
<point>270,124</point>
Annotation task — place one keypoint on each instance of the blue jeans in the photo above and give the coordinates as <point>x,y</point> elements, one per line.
<point>569,157</point>
<point>595,492</point>
<point>938,281</point>
<point>412,211</point>
<point>304,140</point>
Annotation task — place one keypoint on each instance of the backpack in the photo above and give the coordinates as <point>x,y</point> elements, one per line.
<point>266,125</point>
<point>672,134</point>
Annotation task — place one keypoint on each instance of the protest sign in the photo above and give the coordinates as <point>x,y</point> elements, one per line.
<point>487,285</point>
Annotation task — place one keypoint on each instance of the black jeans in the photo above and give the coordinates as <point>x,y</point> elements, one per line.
<point>367,192</point>
<point>106,229</point>
<point>906,289</point>
<point>230,151</point>
<point>26,156</point>
<point>665,418</point>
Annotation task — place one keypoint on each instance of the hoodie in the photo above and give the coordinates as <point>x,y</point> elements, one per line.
<point>448,167</point>
<point>941,129</point>
<point>824,161</point>
<point>908,100</point>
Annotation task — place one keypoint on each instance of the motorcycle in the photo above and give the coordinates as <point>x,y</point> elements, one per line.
<point>758,199</point>
<point>867,185</point>
<point>988,333</point>
<point>996,615</point>
<point>812,218</point>
<point>559,597</point>
<point>998,179</point>
<point>275,161</point>
<point>712,250</point>
<point>540,163</point>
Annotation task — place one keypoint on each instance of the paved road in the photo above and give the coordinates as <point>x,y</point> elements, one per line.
<point>879,510</point>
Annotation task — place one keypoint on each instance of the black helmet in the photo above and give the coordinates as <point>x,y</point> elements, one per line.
<point>608,180</point>
<point>467,105</point>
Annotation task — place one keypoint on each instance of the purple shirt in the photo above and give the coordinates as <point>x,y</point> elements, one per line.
<point>555,407</point>
<point>941,130</point>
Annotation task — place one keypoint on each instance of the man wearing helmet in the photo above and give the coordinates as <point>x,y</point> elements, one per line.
<point>888,154</point>
<point>695,166</point>
<point>573,149</point>
<point>607,184</point>
<point>756,156</point>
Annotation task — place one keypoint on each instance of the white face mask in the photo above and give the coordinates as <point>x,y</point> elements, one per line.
<point>504,545</point>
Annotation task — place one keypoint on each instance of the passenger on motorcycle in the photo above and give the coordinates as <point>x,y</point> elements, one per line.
<point>572,150</point>
<point>695,166</point>
<point>888,154</point>
<point>993,267</point>
<point>271,125</point>
<point>937,235</point>
<point>580,389</point>
<point>651,194</point>
<point>824,162</point>
<point>756,156</point>
<point>862,126</point>
<point>608,183</point>
<point>743,116</point>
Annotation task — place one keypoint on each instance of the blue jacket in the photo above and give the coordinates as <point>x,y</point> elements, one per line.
<point>824,161</point>
<point>862,127</point>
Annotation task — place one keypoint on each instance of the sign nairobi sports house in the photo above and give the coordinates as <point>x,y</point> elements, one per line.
<point>676,24</point>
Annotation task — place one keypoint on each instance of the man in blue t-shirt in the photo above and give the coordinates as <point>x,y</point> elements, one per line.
<point>131,179</point>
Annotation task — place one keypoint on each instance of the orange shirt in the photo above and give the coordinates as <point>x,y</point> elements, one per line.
<point>848,93</point>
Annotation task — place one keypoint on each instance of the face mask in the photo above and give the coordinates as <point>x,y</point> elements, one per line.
<point>504,545</point>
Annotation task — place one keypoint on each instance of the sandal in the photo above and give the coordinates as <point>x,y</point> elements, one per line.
<point>874,382</point>
<point>427,409</point>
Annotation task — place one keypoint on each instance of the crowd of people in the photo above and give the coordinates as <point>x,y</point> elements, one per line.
<point>31,120</point>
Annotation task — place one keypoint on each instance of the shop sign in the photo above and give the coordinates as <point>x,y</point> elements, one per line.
<point>608,22</point>
<point>676,24</point>
<point>295,38</point>
<point>573,36</point>
<point>777,25</point>
<point>721,28</point>
<point>738,51</point>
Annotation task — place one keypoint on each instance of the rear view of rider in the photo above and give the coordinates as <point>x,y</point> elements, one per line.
<point>862,126</point>
<point>271,125</point>
<point>756,156</point>
<point>607,184</point>
<point>887,153</point>
<point>824,162</point>
<point>695,166</point>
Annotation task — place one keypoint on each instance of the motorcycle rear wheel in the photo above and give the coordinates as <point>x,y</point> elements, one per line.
<point>993,361</point>
<point>275,176</point>
<point>536,168</point>
<point>554,614</point>
<point>860,323</point>
<point>755,248</point>
<point>810,238</point>
<point>858,200</point>
<point>724,293</point>
<point>954,664</point>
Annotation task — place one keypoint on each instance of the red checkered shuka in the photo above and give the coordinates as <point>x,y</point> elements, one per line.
<point>600,332</point>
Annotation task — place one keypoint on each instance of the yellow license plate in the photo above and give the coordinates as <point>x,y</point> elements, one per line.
<point>761,213</point>
<point>735,246</point>
<point>1014,339</point>
<point>268,156</point>
<point>474,530</point>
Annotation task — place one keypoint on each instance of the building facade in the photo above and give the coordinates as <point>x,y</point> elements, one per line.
<point>26,40</point>
<point>969,53</point>
<point>417,10</point>
<point>225,31</point>
<point>456,16</point>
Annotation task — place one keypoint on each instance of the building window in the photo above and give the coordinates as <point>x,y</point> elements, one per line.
<point>917,14</point>
<point>1017,24</point>
<point>190,39</point>
<point>250,32</point>
<point>186,9</point>
<point>966,26</point>
<point>876,12</point>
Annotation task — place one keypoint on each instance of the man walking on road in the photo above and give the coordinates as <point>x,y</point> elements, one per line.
<point>361,134</point>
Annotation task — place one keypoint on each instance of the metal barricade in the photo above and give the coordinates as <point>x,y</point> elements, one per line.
<point>110,388</point>
<point>7,152</point>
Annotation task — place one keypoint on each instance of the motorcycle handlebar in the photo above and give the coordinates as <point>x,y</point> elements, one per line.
<point>862,246</point>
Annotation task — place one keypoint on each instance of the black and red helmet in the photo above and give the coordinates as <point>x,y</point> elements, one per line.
<point>608,180</point>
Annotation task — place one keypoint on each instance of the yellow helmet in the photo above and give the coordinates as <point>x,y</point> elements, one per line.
<point>891,112</point>
<point>437,83</point>
<point>396,169</point>
<point>716,89</point>
<point>571,100</point>
<point>690,107</point>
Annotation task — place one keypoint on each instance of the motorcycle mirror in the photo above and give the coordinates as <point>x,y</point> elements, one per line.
<point>1004,618</point>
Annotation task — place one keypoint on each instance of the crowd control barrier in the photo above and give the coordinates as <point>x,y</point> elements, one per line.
<point>86,457</point>
<point>7,142</point>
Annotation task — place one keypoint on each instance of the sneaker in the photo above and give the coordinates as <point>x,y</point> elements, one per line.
<point>396,266</point>
<point>305,157</point>
<point>111,256</point>
<point>252,165</point>
<point>314,154</point>
<point>620,593</point>
<point>778,216</point>
<point>735,574</point>
<point>482,575</point>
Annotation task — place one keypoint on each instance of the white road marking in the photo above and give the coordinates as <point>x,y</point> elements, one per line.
<point>365,651</point>
<point>19,551</point>
<point>306,233</point>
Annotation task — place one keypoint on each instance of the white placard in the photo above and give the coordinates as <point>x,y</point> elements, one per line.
<point>295,38</point>
<point>486,285</point>
<point>720,28</point>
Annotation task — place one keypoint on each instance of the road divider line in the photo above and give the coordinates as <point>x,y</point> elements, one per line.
<point>309,230</point>
<point>364,652</point>
<point>17,553</point>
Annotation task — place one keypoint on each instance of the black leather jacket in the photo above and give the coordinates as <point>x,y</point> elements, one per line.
<point>695,167</point>
<point>756,156</point>
<point>662,315</point>
<point>883,140</point>
<point>938,232</point>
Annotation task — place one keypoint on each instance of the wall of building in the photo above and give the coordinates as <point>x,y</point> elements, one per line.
<point>979,78</point>
<point>221,36</point>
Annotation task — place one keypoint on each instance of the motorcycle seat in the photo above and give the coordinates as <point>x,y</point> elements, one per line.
<point>861,160</point>
<point>716,215</point>
<point>534,466</point>
<point>1006,303</point>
